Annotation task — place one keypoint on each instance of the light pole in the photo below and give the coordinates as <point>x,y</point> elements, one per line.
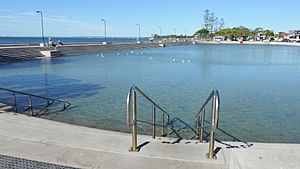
<point>138,39</point>
<point>103,20</point>
<point>174,32</point>
<point>159,31</point>
<point>42,25</point>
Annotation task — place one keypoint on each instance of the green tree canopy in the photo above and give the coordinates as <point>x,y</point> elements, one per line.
<point>235,33</point>
<point>203,33</point>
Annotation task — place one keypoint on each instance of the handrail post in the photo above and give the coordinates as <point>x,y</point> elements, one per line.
<point>30,106</point>
<point>211,154</point>
<point>153,121</point>
<point>202,126</point>
<point>163,125</point>
<point>15,102</point>
<point>134,146</point>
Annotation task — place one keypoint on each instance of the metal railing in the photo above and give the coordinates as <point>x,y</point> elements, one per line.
<point>199,121</point>
<point>132,105</point>
<point>30,107</point>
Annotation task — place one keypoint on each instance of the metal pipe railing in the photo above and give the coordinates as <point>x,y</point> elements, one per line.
<point>132,105</point>
<point>215,99</point>
<point>30,104</point>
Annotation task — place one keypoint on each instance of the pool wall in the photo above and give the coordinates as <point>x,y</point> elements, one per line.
<point>12,53</point>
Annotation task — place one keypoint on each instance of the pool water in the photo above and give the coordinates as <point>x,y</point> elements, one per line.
<point>258,84</point>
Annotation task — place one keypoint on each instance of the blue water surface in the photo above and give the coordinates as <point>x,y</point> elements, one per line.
<point>258,84</point>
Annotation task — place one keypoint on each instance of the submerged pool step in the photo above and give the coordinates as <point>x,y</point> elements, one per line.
<point>5,108</point>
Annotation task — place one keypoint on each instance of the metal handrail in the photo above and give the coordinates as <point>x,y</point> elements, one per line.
<point>200,116</point>
<point>30,106</point>
<point>131,104</point>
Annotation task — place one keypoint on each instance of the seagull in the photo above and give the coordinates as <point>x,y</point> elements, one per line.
<point>118,53</point>
<point>102,55</point>
<point>182,61</point>
<point>188,61</point>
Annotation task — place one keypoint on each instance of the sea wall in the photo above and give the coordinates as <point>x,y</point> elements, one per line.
<point>12,53</point>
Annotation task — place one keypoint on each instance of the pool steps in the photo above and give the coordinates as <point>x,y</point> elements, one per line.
<point>133,121</point>
<point>36,105</point>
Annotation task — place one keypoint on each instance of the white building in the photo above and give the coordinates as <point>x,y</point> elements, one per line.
<point>294,35</point>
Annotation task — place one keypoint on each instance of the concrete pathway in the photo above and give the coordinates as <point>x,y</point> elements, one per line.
<point>81,147</point>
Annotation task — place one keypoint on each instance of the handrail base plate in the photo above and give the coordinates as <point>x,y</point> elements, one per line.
<point>131,149</point>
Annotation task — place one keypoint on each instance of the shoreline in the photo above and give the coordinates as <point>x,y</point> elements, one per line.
<point>74,44</point>
<point>248,43</point>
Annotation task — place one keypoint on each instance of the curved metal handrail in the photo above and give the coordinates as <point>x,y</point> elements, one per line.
<point>214,93</point>
<point>135,88</point>
<point>131,100</point>
<point>214,97</point>
<point>49,100</point>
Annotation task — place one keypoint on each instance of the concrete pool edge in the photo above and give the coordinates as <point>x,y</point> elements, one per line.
<point>12,54</point>
<point>76,146</point>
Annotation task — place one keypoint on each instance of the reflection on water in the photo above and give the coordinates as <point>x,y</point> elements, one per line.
<point>259,86</point>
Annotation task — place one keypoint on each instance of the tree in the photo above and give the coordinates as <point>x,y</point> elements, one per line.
<point>268,33</point>
<point>258,30</point>
<point>206,19</point>
<point>221,24</point>
<point>212,22</point>
<point>202,33</point>
<point>236,33</point>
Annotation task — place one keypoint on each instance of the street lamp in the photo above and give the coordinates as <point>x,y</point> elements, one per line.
<point>103,20</point>
<point>42,25</point>
<point>174,32</point>
<point>138,39</point>
<point>159,31</point>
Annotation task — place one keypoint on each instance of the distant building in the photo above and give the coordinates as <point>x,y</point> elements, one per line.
<point>294,34</point>
<point>218,38</point>
<point>283,35</point>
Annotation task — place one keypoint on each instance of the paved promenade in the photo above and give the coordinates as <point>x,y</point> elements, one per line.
<point>57,143</point>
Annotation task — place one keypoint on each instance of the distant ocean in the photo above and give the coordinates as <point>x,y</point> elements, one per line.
<point>37,40</point>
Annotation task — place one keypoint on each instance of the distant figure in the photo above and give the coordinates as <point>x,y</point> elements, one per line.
<point>50,42</point>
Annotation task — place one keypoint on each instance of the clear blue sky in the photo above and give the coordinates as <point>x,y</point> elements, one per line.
<point>82,17</point>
